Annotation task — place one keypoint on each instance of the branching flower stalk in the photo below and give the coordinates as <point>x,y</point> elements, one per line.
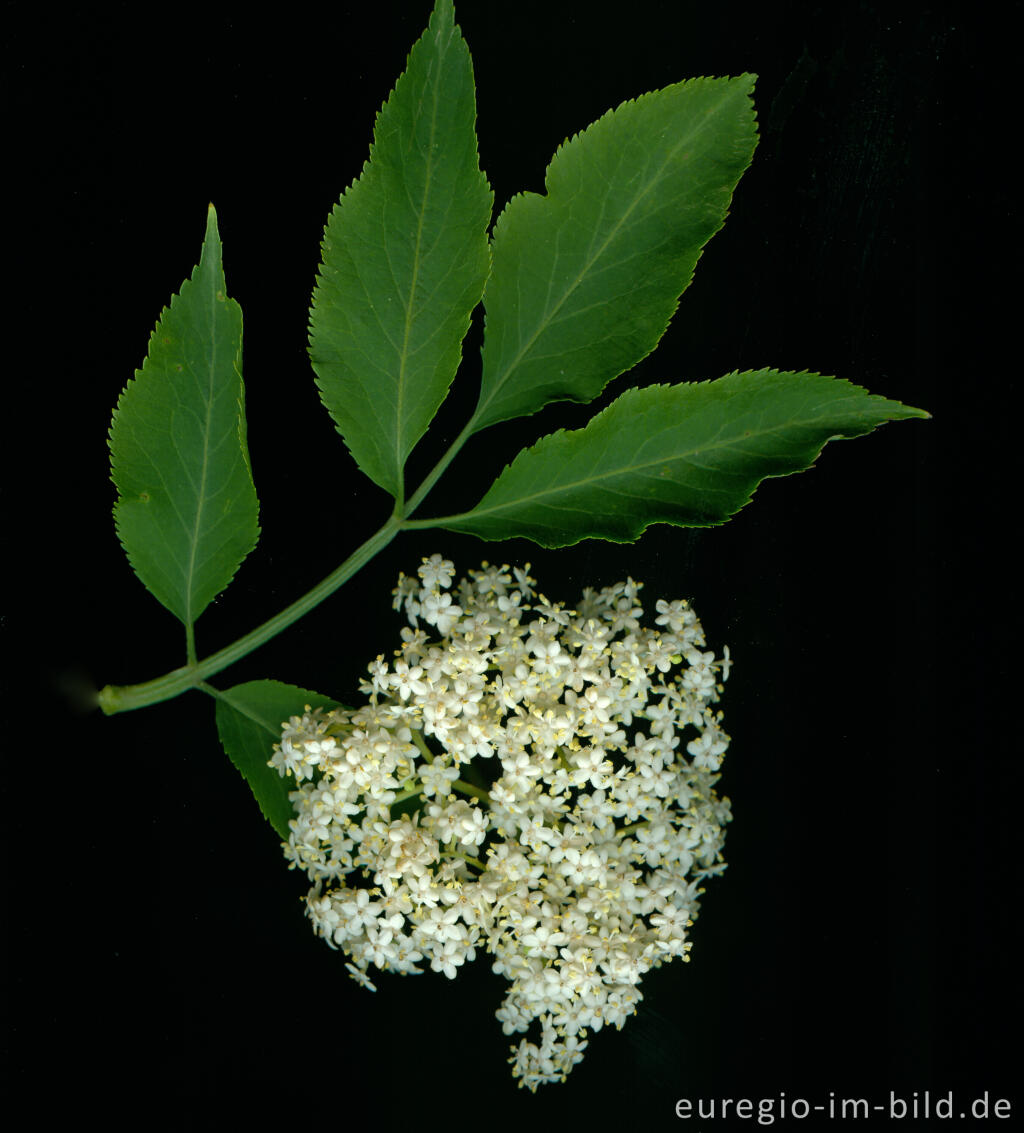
<point>578,868</point>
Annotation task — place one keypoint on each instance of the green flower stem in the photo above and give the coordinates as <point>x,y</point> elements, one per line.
<point>470,789</point>
<point>466,858</point>
<point>420,740</point>
<point>410,793</point>
<point>114,698</point>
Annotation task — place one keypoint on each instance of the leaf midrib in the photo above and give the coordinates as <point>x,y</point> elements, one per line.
<point>404,355</point>
<point>621,470</point>
<point>204,472</point>
<point>243,710</point>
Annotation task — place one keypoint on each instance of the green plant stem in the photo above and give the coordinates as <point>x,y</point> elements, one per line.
<point>114,698</point>
<point>471,789</point>
<point>125,698</point>
<point>437,472</point>
<point>466,858</point>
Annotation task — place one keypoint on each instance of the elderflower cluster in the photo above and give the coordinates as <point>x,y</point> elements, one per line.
<point>528,780</point>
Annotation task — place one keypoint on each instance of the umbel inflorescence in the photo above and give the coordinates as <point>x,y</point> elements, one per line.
<point>529,780</point>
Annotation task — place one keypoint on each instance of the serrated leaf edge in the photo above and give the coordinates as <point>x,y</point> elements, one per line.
<point>461,522</point>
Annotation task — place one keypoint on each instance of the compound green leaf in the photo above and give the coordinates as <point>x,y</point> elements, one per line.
<point>586,278</point>
<point>187,511</point>
<point>249,720</point>
<point>405,258</point>
<point>689,455</point>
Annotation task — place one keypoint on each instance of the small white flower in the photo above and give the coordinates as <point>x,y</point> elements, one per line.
<point>543,939</point>
<point>439,610</point>
<point>361,978</point>
<point>406,681</point>
<point>436,573</point>
<point>437,778</point>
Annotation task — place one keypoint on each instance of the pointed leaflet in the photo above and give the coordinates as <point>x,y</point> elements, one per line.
<point>690,455</point>
<point>587,277</point>
<point>187,512</point>
<point>249,719</point>
<point>405,258</point>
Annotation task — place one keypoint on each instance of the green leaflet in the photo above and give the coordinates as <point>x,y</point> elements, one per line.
<point>249,719</point>
<point>187,511</point>
<point>587,277</point>
<point>690,455</point>
<point>405,257</point>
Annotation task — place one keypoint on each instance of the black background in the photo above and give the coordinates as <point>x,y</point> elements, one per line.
<point>860,941</point>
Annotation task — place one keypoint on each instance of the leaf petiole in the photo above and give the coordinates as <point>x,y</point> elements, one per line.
<point>125,698</point>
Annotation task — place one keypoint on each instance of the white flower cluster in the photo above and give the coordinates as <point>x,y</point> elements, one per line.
<point>536,781</point>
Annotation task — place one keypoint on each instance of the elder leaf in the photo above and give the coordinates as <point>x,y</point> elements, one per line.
<point>187,512</point>
<point>587,277</point>
<point>689,454</point>
<point>405,257</point>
